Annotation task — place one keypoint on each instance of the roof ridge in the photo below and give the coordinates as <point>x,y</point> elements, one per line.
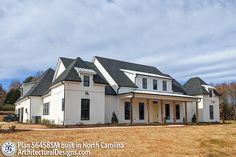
<point>124,61</point>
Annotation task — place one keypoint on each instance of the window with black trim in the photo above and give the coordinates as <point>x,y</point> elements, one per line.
<point>164,84</point>
<point>167,111</point>
<point>144,83</point>
<point>86,81</point>
<point>211,109</point>
<point>154,84</point>
<point>127,110</point>
<point>85,107</point>
<point>46,107</point>
<point>177,109</point>
<point>141,111</point>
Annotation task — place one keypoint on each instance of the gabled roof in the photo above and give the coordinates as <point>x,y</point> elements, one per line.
<point>177,87</point>
<point>113,68</point>
<point>42,84</point>
<point>66,61</point>
<point>194,86</point>
<point>70,74</point>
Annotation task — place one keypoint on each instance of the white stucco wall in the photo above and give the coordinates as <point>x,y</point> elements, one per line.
<point>75,91</point>
<point>111,105</point>
<point>55,99</point>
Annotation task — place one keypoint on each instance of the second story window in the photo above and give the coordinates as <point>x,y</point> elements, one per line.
<point>154,84</point>
<point>86,81</point>
<point>144,83</point>
<point>164,83</point>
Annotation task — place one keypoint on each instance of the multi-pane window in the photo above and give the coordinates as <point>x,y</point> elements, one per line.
<point>144,83</point>
<point>127,110</point>
<point>154,84</point>
<point>167,109</point>
<point>141,111</point>
<point>177,109</point>
<point>86,81</point>
<point>211,109</point>
<point>46,107</point>
<point>164,83</point>
<point>63,104</point>
<point>85,104</point>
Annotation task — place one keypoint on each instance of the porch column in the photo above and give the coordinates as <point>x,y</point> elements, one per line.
<point>186,113</point>
<point>174,110</point>
<point>197,111</point>
<point>162,116</point>
<point>148,112</point>
<point>131,110</point>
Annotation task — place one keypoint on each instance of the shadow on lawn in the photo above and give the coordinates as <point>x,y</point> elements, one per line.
<point>12,131</point>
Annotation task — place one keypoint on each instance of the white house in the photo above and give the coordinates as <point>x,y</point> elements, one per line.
<point>81,92</point>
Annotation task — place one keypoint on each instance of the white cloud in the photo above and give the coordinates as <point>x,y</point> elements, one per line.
<point>183,38</point>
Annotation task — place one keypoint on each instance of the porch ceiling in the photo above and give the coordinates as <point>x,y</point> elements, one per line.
<point>159,96</point>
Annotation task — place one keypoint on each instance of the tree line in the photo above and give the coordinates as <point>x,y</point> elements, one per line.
<point>12,94</point>
<point>227,100</point>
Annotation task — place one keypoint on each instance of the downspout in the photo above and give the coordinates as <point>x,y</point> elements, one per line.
<point>29,115</point>
<point>64,114</point>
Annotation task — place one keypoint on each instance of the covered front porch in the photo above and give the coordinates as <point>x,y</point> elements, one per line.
<point>153,107</point>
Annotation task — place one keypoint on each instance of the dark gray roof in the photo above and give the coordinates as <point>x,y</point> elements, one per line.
<point>194,86</point>
<point>70,74</point>
<point>42,85</point>
<point>109,91</point>
<point>177,87</point>
<point>99,77</point>
<point>66,61</point>
<point>113,68</point>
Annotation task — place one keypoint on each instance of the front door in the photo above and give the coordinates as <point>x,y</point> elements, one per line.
<point>155,111</point>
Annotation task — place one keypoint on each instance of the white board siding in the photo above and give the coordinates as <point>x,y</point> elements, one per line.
<point>26,105</point>
<point>75,91</point>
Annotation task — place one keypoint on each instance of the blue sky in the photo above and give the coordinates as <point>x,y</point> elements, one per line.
<point>182,38</point>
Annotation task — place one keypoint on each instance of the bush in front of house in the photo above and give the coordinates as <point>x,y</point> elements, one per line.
<point>114,119</point>
<point>194,119</point>
<point>7,107</point>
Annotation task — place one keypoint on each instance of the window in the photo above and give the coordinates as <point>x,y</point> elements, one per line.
<point>85,103</point>
<point>141,111</point>
<point>167,108</point>
<point>86,81</point>
<point>154,84</point>
<point>177,109</point>
<point>211,109</point>
<point>164,85</point>
<point>127,110</point>
<point>63,104</point>
<point>144,83</point>
<point>46,107</point>
<point>211,93</point>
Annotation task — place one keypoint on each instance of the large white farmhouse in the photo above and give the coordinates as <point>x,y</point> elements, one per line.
<point>81,92</point>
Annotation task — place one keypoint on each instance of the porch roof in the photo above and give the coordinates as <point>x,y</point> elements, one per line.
<point>159,95</point>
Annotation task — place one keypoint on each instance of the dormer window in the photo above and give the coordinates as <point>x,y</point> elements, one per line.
<point>211,93</point>
<point>154,84</point>
<point>144,83</point>
<point>86,81</point>
<point>164,84</point>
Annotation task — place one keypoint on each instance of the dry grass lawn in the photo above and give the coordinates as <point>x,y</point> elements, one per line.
<point>192,140</point>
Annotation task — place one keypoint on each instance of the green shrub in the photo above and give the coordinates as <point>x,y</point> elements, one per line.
<point>7,107</point>
<point>194,119</point>
<point>114,119</point>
